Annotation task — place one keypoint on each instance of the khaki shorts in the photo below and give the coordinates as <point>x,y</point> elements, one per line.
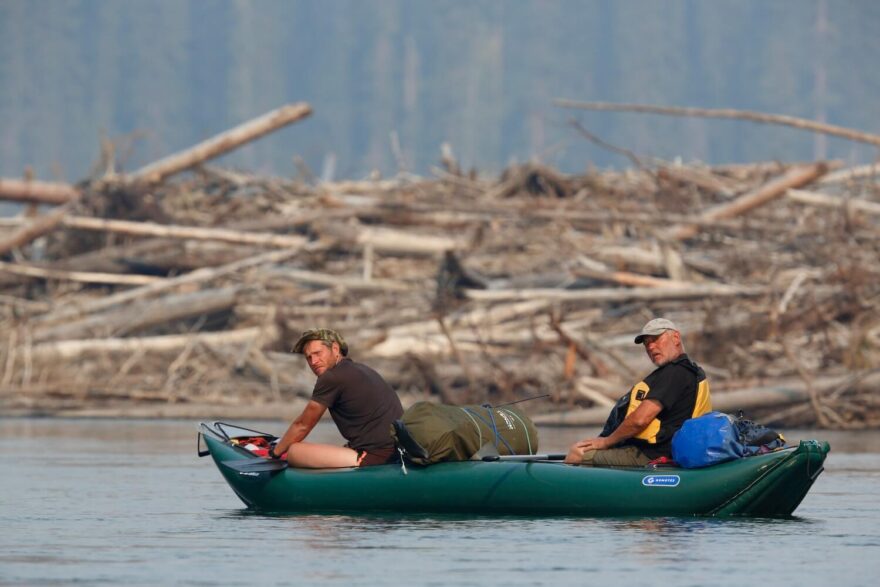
<point>626,456</point>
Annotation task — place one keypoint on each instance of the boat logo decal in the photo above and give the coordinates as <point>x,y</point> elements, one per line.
<point>249,473</point>
<point>661,480</point>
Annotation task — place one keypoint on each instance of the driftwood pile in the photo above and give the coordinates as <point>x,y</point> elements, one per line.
<point>155,289</point>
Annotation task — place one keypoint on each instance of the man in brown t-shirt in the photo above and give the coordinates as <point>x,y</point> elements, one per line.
<point>361,403</point>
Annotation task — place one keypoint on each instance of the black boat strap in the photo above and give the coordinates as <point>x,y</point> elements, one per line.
<point>409,444</point>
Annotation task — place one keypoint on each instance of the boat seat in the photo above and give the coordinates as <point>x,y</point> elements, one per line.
<point>407,443</point>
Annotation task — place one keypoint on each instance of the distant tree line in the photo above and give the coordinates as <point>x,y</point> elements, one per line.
<point>392,81</point>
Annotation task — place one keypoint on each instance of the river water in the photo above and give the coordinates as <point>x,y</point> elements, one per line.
<point>129,503</point>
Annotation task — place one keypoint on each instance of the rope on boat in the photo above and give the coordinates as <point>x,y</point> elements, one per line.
<point>493,426</point>
<point>525,428</point>
<point>477,426</point>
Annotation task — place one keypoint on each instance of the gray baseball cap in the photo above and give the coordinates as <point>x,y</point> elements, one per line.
<point>655,327</point>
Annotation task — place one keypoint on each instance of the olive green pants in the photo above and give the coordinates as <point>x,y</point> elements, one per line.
<point>625,456</point>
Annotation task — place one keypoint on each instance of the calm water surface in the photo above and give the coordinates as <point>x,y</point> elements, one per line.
<point>128,503</point>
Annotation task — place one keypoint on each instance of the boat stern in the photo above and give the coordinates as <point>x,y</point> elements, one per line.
<point>782,488</point>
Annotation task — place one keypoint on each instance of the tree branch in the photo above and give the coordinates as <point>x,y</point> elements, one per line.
<point>761,117</point>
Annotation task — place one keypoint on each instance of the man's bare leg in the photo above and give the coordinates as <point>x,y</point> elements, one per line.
<point>321,456</point>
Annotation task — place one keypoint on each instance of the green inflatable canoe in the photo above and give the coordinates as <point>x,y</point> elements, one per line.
<point>768,485</point>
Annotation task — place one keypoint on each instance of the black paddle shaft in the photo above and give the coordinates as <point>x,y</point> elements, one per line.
<point>525,458</point>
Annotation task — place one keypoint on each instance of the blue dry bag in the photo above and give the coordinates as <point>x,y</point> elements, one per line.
<point>708,440</point>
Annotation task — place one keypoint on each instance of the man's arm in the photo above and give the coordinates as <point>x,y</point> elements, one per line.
<point>300,427</point>
<point>631,425</point>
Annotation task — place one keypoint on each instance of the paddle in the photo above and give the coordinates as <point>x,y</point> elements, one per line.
<point>256,465</point>
<point>524,458</point>
<point>273,465</point>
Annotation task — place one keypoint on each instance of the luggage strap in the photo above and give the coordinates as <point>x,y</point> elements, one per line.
<point>408,444</point>
<point>491,424</point>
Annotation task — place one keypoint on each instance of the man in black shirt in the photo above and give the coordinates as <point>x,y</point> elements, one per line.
<point>361,403</point>
<point>642,423</point>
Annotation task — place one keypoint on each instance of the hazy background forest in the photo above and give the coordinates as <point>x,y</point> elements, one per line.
<point>158,76</point>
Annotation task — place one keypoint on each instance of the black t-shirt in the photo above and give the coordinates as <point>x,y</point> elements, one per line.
<point>361,403</point>
<point>675,386</point>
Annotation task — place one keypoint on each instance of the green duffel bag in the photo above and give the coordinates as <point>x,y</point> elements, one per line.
<point>430,433</point>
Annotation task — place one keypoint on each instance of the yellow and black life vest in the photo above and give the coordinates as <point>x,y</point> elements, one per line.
<point>640,392</point>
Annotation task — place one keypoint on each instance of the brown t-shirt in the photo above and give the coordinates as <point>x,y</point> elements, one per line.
<point>361,403</point>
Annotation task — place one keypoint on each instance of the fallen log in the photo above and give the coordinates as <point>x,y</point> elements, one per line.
<point>601,295</point>
<point>74,349</point>
<point>220,144</point>
<point>476,336</point>
<point>702,178</point>
<point>796,177</point>
<point>91,391</point>
<point>629,278</point>
<point>655,259</point>
<point>585,351</point>
<point>110,259</point>
<point>217,408</point>
<point>197,276</point>
<point>360,187</point>
<point>397,241</point>
<point>826,201</point>
<point>79,276</point>
<point>428,337</point>
<point>777,393</point>
<point>182,232</point>
<point>598,394</point>
<point>142,315</point>
<point>26,234</point>
<point>474,318</point>
<point>347,282</point>
<point>23,305</point>
<point>870,171</point>
<point>37,192</point>
<point>388,239</point>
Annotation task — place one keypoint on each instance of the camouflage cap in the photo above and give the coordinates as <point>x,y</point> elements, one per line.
<point>324,334</point>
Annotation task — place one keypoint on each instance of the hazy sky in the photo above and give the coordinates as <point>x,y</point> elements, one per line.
<point>392,81</point>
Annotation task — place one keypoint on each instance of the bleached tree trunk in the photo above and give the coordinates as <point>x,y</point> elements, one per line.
<point>222,143</point>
